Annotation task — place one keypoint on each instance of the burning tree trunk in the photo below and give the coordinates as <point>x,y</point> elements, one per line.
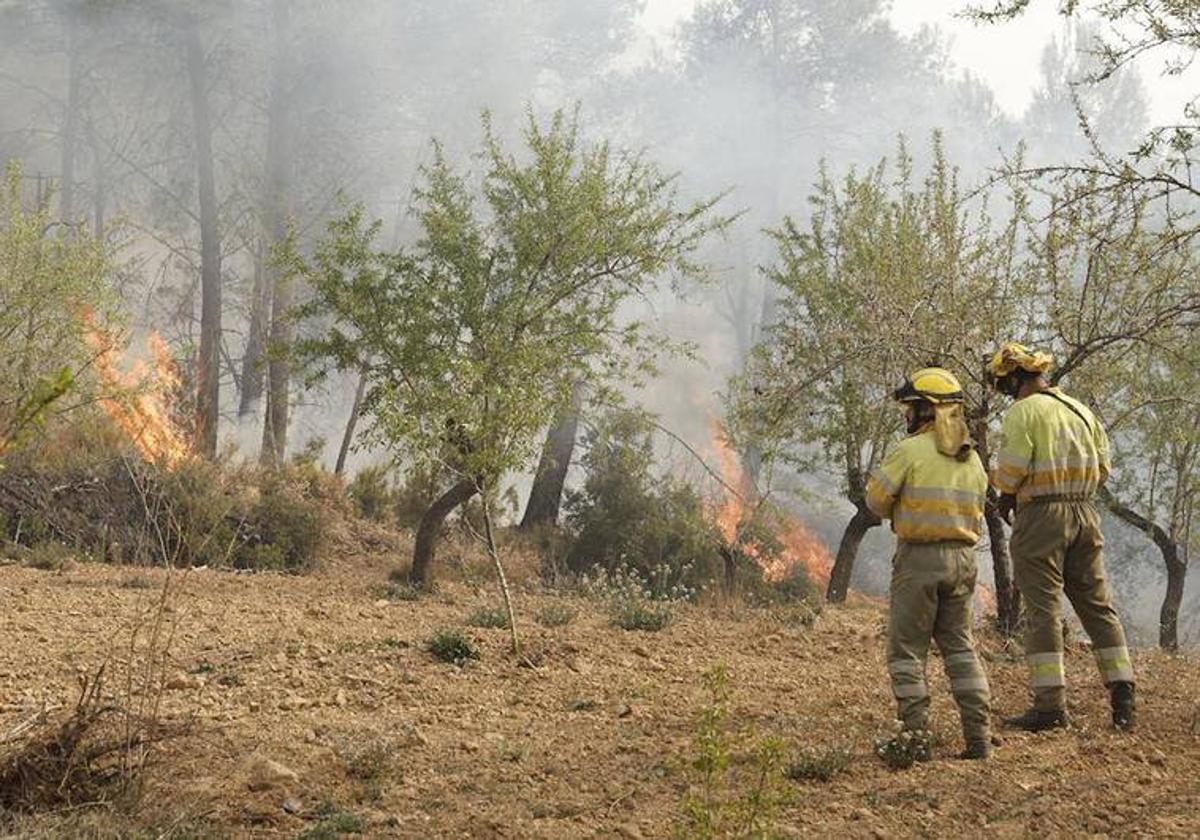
<point>279,153</point>
<point>430,529</point>
<point>1173,559</point>
<point>208,373</point>
<point>545,497</point>
<point>843,564</point>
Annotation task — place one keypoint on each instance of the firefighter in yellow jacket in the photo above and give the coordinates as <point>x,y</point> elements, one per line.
<point>932,486</point>
<point>1054,459</point>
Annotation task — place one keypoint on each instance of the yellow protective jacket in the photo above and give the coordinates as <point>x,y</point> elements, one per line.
<point>930,497</point>
<point>1053,446</point>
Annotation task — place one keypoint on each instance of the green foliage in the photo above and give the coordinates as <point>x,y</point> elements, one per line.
<point>488,617</point>
<point>819,765</point>
<point>49,556</point>
<point>400,588</point>
<point>50,287</point>
<point>636,603</point>
<point>334,823</point>
<point>905,748</point>
<point>79,491</point>
<point>555,614</point>
<point>285,529</point>
<point>625,517</point>
<point>890,274</point>
<point>735,780</point>
<point>452,646</point>
<point>372,493</point>
<point>471,340</point>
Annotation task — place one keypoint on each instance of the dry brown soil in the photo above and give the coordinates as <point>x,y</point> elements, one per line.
<point>592,742</point>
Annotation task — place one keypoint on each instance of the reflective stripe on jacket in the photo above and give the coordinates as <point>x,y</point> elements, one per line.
<point>1050,449</point>
<point>930,497</point>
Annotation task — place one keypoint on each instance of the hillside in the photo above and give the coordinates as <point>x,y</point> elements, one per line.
<point>319,674</point>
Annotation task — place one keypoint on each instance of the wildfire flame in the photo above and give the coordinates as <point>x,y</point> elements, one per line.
<point>800,547</point>
<point>140,402</point>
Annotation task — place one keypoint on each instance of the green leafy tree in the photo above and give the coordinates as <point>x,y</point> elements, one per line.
<point>519,286</point>
<point>891,273</point>
<point>1121,296</point>
<point>1156,482</point>
<point>52,287</point>
<point>1128,33</point>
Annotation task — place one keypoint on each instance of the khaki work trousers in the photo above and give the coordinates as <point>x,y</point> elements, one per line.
<point>932,587</point>
<point>1057,547</point>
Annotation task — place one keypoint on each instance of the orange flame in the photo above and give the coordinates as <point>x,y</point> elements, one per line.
<point>799,546</point>
<point>140,402</point>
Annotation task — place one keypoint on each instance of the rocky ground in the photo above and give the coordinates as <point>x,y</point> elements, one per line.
<point>315,709</point>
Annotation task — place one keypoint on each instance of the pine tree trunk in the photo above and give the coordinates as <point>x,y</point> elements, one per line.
<point>70,133</point>
<point>253,370</point>
<point>429,530</point>
<point>545,497</point>
<point>208,372</point>
<point>279,152</point>
<point>843,564</point>
<point>351,423</point>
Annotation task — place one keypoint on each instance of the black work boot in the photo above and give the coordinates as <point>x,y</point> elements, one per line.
<point>1123,706</point>
<point>1036,720</point>
<point>976,751</point>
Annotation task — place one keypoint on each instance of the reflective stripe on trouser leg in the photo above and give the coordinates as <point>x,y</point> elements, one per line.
<point>1115,664</point>
<point>911,692</point>
<point>1046,670</point>
<point>969,684</point>
<point>965,673</point>
<point>908,679</point>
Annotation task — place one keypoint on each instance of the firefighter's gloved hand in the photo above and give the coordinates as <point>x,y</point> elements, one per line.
<point>1007,505</point>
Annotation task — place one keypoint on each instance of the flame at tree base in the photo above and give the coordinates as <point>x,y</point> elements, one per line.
<point>795,545</point>
<point>140,402</point>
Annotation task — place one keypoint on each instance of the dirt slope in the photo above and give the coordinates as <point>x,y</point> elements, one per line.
<point>312,671</point>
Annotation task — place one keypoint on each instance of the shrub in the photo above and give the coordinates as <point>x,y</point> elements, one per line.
<point>334,823</point>
<point>633,604</point>
<point>372,761</point>
<point>285,529</point>
<point>49,556</point>
<point>402,591</point>
<point>452,646</point>
<point>735,781</point>
<point>555,614</point>
<point>488,617</point>
<point>819,765</point>
<point>626,516</point>
<point>905,748</point>
<point>372,493</point>
<point>54,288</point>
<point>86,490</point>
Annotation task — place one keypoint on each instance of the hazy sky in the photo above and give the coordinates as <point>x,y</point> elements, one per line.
<point>1005,56</point>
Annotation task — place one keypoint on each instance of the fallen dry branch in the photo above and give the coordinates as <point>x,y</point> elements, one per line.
<point>92,754</point>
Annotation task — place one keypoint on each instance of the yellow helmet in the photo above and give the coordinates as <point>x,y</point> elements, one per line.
<point>1013,356</point>
<point>932,384</point>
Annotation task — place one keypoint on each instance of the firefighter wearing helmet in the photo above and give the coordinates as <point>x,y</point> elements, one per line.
<point>1054,459</point>
<point>932,487</point>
